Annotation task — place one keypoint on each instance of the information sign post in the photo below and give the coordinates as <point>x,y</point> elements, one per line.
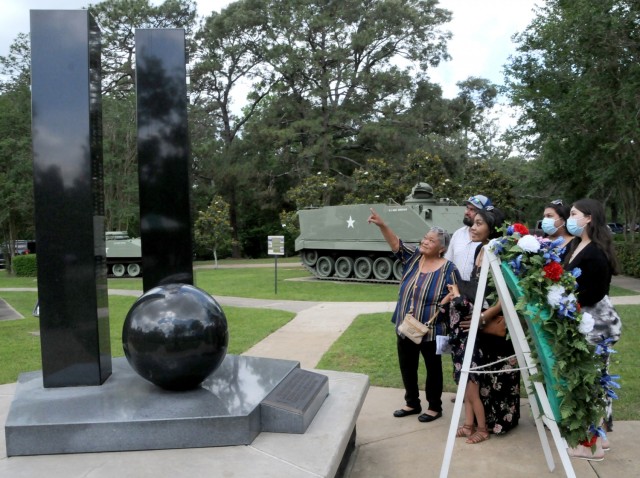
<point>275,245</point>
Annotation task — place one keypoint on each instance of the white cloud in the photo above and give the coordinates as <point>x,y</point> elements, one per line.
<point>481,42</point>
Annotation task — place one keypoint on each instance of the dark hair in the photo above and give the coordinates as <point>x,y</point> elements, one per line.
<point>597,229</point>
<point>561,210</point>
<point>494,218</point>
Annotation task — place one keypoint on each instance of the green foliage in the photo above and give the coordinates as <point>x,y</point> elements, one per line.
<point>314,190</point>
<point>120,163</point>
<point>118,20</point>
<point>625,364</point>
<point>212,229</point>
<point>16,66</point>
<point>628,254</point>
<point>378,181</point>
<point>25,265</point>
<point>16,169</point>
<point>575,78</point>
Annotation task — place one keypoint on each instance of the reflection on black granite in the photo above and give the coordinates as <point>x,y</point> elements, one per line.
<point>163,157</point>
<point>125,396</point>
<point>175,335</point>
<point>69,198</point>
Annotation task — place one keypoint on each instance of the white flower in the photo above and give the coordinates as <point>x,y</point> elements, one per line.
<point>529,243</point>
<point>586,324</point>
<point>554,295</point>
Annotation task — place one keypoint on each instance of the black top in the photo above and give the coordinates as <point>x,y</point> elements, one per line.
<point>595,279</point>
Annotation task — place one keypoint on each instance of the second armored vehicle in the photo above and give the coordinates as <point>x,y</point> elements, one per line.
<point>124,254</point>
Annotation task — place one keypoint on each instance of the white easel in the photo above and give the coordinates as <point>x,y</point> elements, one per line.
<point>526,364</point>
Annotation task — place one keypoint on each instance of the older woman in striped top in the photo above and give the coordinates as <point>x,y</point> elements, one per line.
<point>425,277</point>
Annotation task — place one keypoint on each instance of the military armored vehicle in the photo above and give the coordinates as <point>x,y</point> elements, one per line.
<point>337,242</point>
<point>124,254</point>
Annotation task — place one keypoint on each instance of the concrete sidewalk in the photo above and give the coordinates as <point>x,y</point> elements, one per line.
<point>385,446</point>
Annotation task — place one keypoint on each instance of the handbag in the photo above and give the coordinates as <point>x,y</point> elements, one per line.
<point>413,329</point>
<point>497,327</point>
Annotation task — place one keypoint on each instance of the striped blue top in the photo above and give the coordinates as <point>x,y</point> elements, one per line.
<point>430,288</point>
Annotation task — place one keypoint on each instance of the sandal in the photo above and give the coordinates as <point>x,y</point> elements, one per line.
<point>482,434</point>
<point>465,431</point>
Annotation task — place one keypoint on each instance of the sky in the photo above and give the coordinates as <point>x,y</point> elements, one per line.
<point>481,43</point>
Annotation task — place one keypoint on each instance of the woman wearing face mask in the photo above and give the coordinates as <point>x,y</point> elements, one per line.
<point>592,251</point>
<point>554,224</point>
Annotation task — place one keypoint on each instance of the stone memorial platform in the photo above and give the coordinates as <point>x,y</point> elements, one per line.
<point>321,451</point>
<point>129,413</point>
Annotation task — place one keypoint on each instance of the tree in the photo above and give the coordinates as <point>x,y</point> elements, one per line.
<point>212,228</point>
<point>337,67</point>
<point>118,20</point>
<point>378,181</point>
<point>120,163</point>
<point>230,56</point>
<point>16,168</point>
<point>575,76</point>
<point>318,72</point>
<point>15,68</point>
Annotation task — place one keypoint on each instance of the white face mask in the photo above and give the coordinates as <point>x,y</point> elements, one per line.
<point>549,226</point>
<point>573,228</point>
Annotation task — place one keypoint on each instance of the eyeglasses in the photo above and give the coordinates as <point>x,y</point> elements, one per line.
<point>557,202</point>
<point>476,202</point>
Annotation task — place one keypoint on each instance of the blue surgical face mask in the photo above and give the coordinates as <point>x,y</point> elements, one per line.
<point>573,228</point>
<point>548,226</point>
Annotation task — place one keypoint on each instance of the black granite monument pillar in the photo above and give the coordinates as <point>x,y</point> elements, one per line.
<point>163,157</point>
<point>69,198</point>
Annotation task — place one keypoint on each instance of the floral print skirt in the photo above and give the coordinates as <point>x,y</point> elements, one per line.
<point>499,392</point>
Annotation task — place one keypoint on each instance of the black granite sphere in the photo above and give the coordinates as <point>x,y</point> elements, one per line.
<point>175,336</point>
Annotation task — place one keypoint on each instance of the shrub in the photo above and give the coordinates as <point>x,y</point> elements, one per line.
<point>25,265</point>
<point>629,257</point>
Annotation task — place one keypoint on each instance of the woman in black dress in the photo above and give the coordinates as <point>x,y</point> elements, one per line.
<point>492,401</point>
<point>593,253</point>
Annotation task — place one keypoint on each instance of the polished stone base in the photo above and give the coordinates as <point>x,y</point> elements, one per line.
<point>128,413</point>
<point>316,453</point>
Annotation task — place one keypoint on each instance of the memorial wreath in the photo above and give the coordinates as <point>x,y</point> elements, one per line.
<point>549,300</point>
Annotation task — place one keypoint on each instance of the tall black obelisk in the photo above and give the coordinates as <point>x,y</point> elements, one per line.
<point>69,198</point>
<point>163,157</point>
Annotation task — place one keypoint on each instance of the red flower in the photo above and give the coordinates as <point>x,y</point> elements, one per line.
<point>553,271</point>
<point>589,442</point>
<point>520,229</point>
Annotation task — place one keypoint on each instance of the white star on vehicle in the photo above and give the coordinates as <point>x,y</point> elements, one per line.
<point>350,223</point>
